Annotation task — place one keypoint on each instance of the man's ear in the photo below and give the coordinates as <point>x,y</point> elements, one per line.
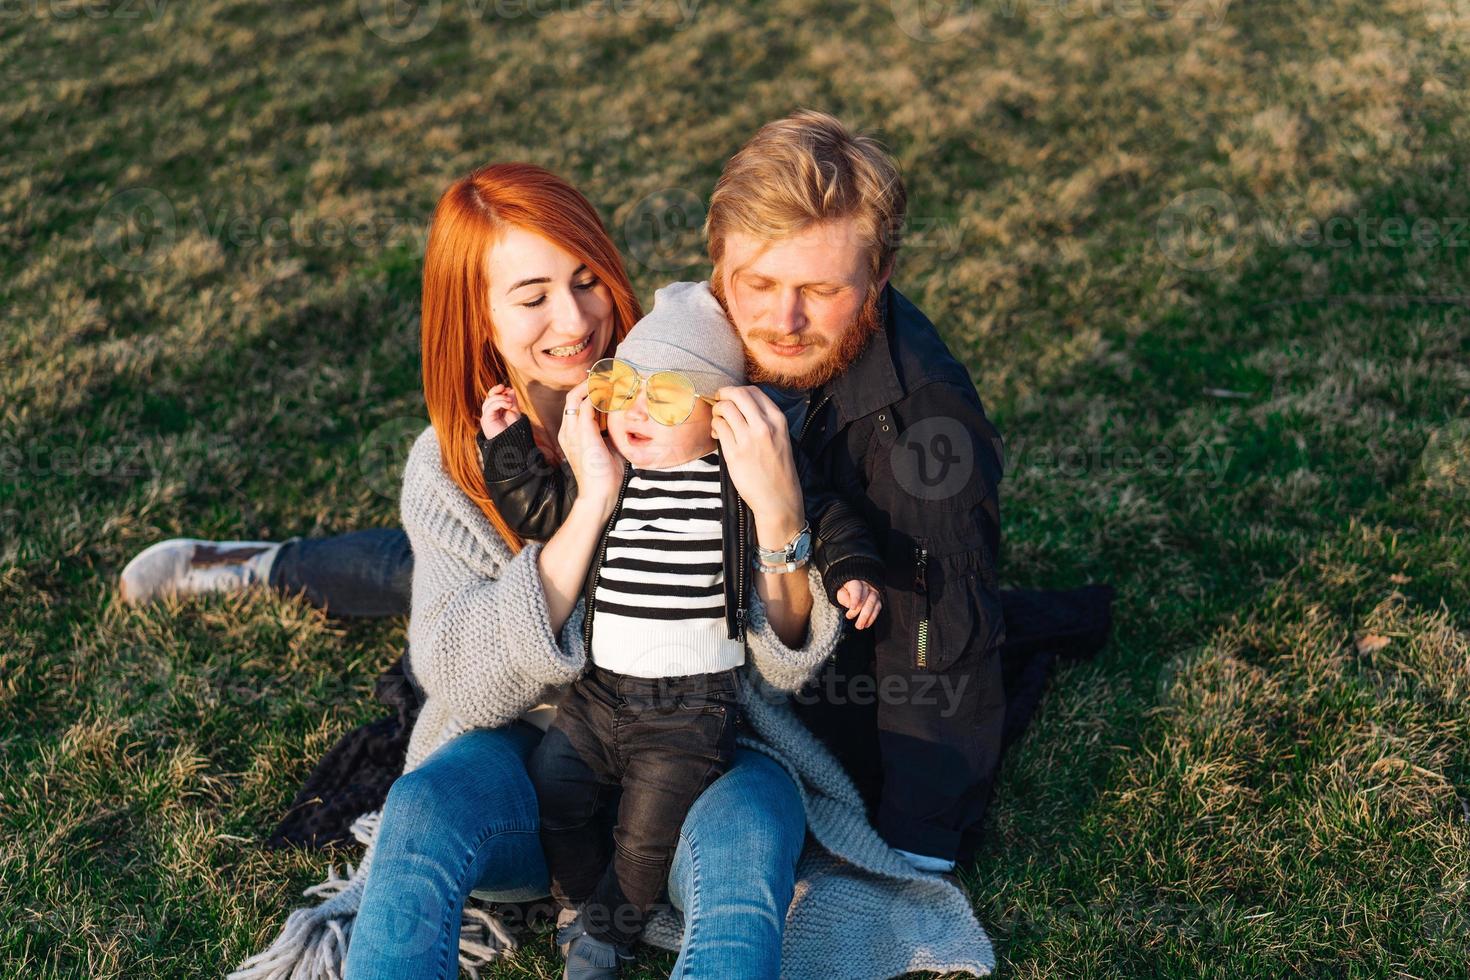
<point>886,272</point>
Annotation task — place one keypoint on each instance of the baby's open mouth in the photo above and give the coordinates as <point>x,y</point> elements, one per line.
<point>571,350</point>
<point>638,438</point>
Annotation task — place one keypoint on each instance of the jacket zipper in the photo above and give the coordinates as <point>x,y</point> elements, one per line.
<point>743,562</point>
<point>921,586</point>
<point>811,412</point>
<point>597,566</point>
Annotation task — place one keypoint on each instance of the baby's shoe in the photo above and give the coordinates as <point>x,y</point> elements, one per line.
<point>588,958</point>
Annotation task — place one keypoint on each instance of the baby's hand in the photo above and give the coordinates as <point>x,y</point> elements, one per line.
<point>499,411</point>
<point>862,601</point>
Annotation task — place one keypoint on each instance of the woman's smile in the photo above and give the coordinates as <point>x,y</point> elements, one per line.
<point>571,351</point>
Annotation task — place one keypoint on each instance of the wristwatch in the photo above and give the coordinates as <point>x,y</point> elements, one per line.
<point>788,559</point>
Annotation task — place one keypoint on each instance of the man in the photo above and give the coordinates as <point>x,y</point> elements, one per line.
<point>803,232</point>
<point>804,227</point>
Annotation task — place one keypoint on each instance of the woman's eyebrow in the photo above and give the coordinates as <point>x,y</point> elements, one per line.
<point>539,281</point>
<point>543,280</point>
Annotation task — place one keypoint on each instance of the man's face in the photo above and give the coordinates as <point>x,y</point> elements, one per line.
<point>802,305</point>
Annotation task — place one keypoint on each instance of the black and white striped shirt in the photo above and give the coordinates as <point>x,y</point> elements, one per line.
<point>660,597</point>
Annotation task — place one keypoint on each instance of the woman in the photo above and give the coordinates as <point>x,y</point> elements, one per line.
<point>523,286</point>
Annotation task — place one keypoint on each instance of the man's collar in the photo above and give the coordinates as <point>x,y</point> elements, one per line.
<point>870,381</point>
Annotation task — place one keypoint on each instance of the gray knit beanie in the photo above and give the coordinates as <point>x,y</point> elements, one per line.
<point>687,331</point>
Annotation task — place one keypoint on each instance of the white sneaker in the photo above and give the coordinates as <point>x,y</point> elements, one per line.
<point>188,566</point>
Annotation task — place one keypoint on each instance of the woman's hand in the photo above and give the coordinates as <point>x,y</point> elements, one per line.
<point>597,466</point>
<point>567,557</point>
<point>757,450</point>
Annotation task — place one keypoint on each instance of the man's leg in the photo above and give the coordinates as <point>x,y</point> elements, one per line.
<point>941,744</point>
<point>734,871</point>
<point>363,574</point>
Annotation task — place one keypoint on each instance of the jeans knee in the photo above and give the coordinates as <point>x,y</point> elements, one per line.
<point>750,828</point>
<point>776,839</point>
<point>414,796</point>
<point>645,855</point>
<point>771,857</point>
<point>424,798</point>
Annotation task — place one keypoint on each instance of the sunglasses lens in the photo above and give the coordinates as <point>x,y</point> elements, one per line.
<point>610,384</point>
<point>670,398</point>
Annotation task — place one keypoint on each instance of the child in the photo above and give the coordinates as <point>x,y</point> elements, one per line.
<point>656,711</point>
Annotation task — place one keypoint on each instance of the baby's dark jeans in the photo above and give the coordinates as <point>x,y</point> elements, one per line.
<point>662,741</point>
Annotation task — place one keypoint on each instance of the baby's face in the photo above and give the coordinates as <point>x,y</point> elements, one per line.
<point>650,445</point>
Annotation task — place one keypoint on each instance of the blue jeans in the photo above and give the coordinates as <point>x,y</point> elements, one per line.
<point>467,819</point>
<point>359,575</point>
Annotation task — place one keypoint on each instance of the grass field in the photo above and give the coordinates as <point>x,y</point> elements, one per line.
<point>1209,264</point>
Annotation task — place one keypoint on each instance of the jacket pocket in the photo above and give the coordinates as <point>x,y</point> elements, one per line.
<point>955,609</point>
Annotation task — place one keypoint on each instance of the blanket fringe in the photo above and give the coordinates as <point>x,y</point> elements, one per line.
<point>365,827</point>
<point>313,943</point>
<point>483,938</point>
<point>312,946</point>
<point>334,885</point>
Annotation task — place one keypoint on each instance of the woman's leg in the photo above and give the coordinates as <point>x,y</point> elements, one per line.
<point>734,871</point>
<point>361,574</point>
<point>466,818</point>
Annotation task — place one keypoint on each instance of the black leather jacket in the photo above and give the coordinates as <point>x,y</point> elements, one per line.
<point>534,497</point>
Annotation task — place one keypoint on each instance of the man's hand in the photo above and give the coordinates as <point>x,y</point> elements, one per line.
<point>757,449</point>
<point>862,601</point>
<point>757,453</point>
<point>499,411</point>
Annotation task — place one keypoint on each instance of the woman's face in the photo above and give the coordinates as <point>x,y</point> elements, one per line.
<point>552,317</point>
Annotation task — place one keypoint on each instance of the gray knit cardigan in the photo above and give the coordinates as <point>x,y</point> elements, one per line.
<point>484,652</point>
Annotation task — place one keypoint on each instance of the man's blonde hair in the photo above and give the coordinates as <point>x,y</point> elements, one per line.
<point>804,169</point>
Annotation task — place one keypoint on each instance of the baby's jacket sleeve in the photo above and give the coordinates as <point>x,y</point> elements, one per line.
<point>843,547</point>
<point>533,494</point>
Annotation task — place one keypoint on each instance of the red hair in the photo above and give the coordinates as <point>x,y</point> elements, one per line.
<point>460,361</point>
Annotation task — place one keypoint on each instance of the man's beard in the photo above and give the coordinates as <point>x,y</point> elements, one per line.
<point>835,359</point>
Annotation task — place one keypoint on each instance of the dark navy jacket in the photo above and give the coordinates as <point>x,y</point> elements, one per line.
<point>903,437</point>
